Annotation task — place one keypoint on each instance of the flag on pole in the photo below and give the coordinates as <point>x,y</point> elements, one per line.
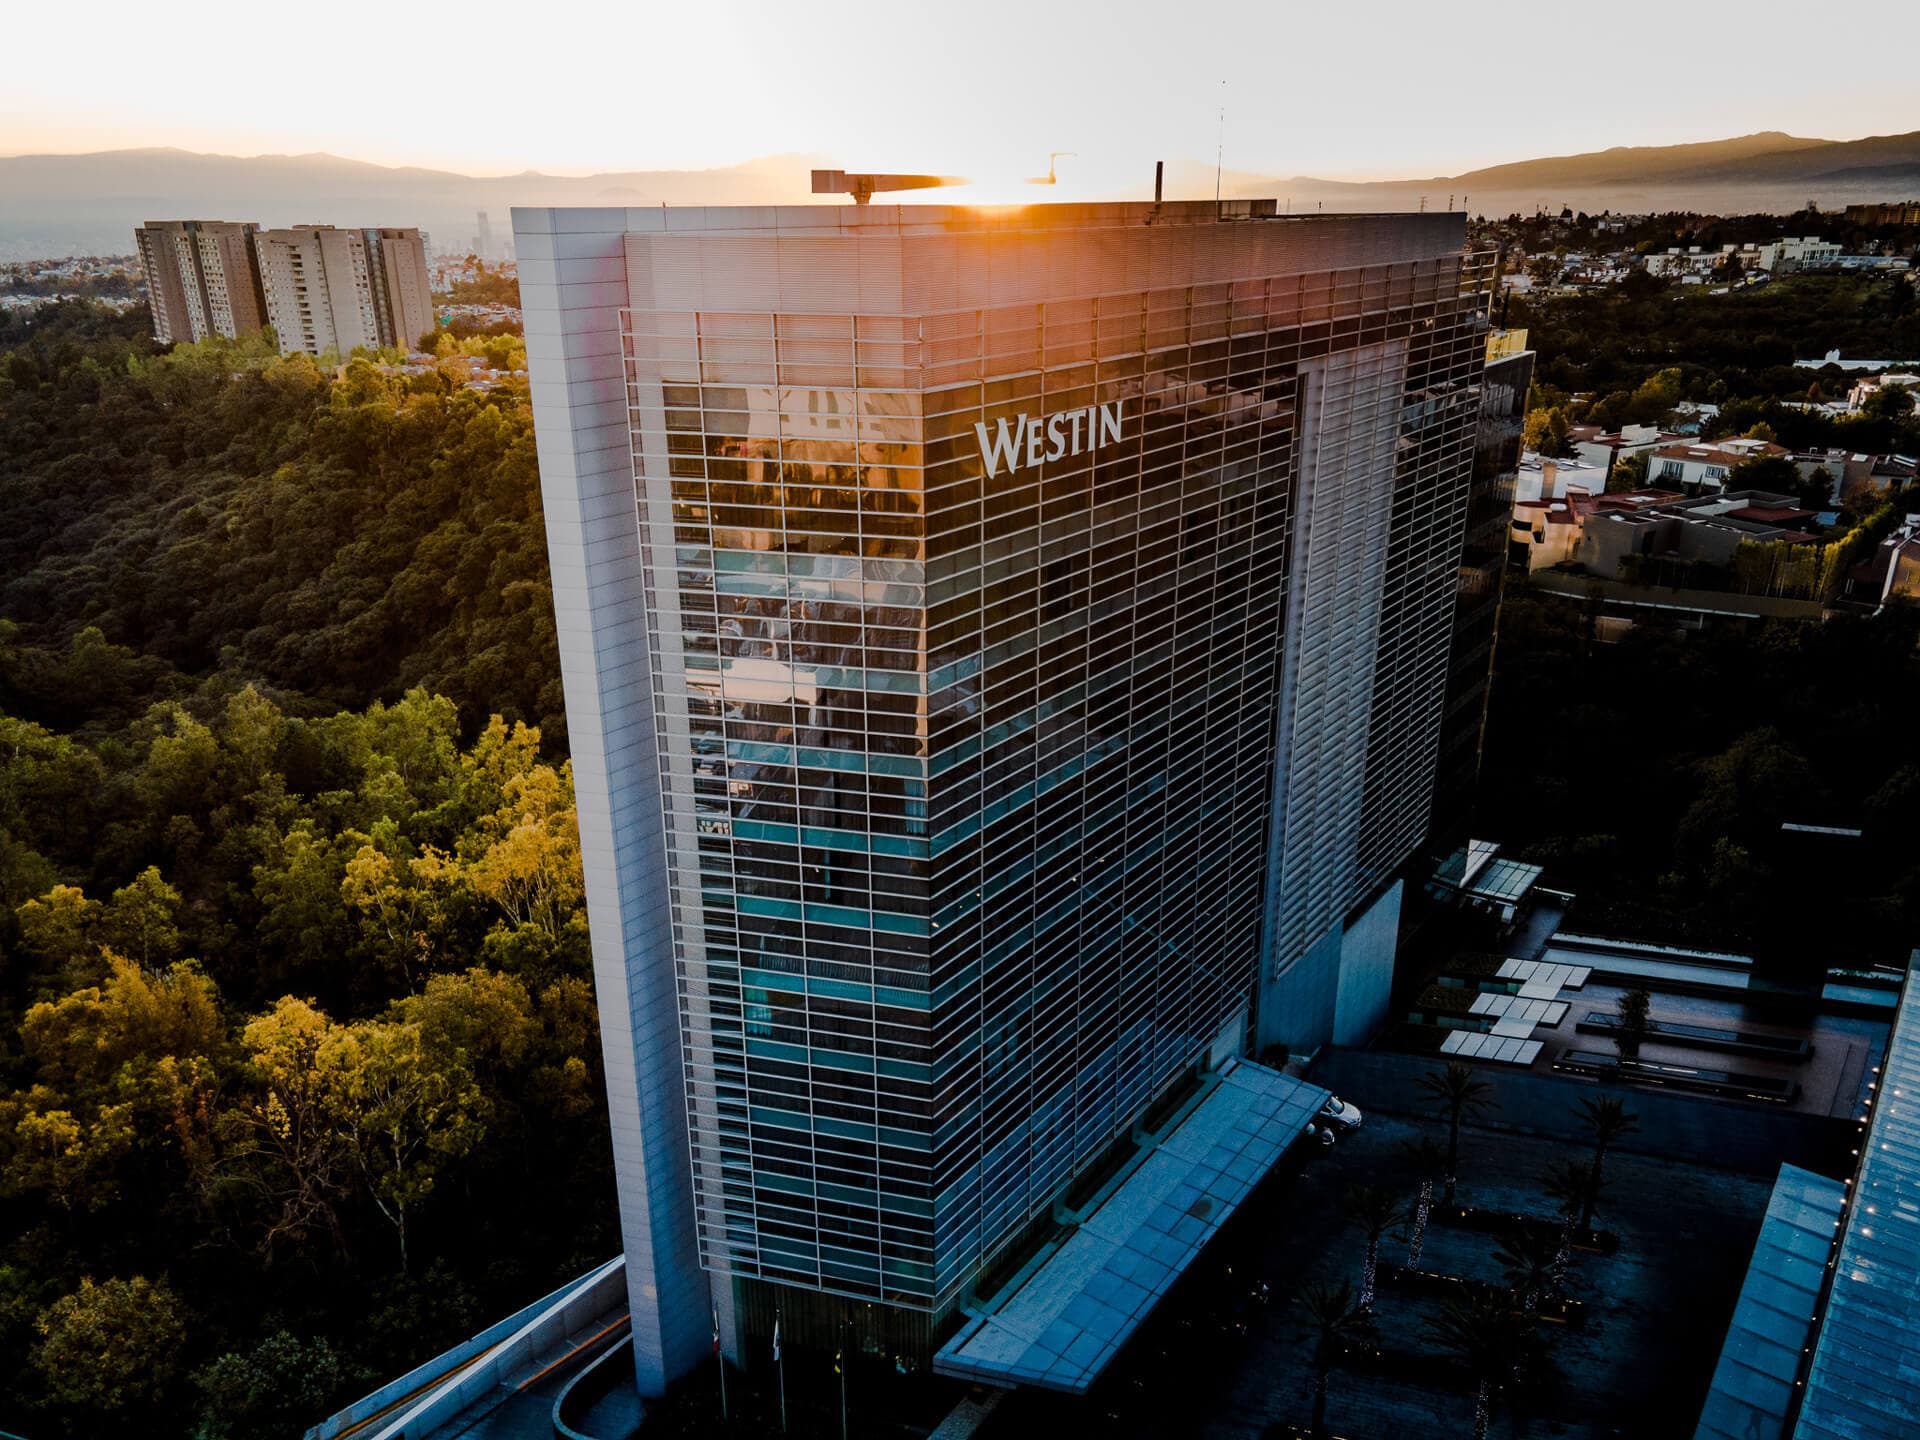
<point>776,1339</point>
<point>836,1364</point>
<point>716,1332</point>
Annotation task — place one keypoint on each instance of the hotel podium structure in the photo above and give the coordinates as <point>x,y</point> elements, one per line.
<point>1004,655</point>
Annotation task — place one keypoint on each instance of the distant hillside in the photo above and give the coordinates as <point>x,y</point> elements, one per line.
<point>89,204</point>
<point>1768,171</point>
<point>1636,164</point>
<point>66,204</point>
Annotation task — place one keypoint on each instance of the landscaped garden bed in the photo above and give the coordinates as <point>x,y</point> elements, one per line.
<point>1508,1223</point>
<point>1442,1287</point>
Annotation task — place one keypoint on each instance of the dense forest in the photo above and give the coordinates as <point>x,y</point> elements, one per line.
<point>1718,348</point>
<point>1652,776</point>
<point>217,511</point>
<point>486,285</point>
<point>299,1069</point>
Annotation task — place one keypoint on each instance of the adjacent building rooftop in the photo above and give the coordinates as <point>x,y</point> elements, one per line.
<point>1863,1382</point>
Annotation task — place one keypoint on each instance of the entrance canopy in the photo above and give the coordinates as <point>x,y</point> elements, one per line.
<point>1070,1317</point>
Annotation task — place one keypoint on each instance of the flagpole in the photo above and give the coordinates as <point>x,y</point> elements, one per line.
<point>840,1366</point>
<point>721,1361</point>
<point>780,1368</point>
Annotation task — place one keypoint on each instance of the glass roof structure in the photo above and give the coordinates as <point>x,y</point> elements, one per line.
<point>1752,1388</point>
<point>1066,1322</point>
<point>1864,1380</point>
<point>1479,874</point>
<point>1498,1049</point>
<point>1504,880</point>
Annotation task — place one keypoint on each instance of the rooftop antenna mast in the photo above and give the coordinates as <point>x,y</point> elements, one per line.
<point>1220,150</point>
<point>1049,178</point>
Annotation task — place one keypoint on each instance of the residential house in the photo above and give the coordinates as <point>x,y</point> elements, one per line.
<point>1696,468</point>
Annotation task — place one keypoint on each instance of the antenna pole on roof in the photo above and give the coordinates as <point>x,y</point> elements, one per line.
<point>1220,150</point>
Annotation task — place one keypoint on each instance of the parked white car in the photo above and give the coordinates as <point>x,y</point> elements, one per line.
<point>1340,1115</point>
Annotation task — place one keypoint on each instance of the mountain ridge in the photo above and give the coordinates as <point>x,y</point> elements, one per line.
<point>91,202</point>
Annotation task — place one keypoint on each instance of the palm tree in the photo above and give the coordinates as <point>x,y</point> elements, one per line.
<point>1427,1161</point>
<point>1375,1210</point>
<point>1575,1187</point>
<point>1529,1262</point>
<point>1607,1119</point>
<point>1334,1321</point>
<point>1457,1092</point>
<point>1492,1340</point>
<point>1631,1020</point>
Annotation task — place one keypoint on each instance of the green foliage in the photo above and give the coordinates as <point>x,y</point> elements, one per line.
<point>1629,473</point>
<point>217,511</point>
<point>1715,346</point>
<point>1501,1349</point>
<point>1333,1322</point>
<point>1889,402</point>
<point>1808,571</point>
<point>1457,1094</point>
<point>1631,1020</point>
<point>340,1028</point>
<point>108,1351</point>
<point>490,285</point>
<point>1574,1186</point>
<point>1727,732</point>
<point>296,1019</point>
<point>1545,431</point>
<point>1775,473</point>
<point>1527,1259</point>
<point>271,1391</point>
<point>1607,1119</point>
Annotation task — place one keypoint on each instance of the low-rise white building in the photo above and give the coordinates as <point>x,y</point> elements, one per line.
<point>1554,478</point>
<point>1865,390</point>
<point>1607,450</point>
<point>1783,257</point>
<point>1695,468</point>
<point>1677,262</point>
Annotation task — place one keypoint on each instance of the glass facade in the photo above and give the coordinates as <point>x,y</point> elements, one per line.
<point>967,627</point>
<point>1483,561</point>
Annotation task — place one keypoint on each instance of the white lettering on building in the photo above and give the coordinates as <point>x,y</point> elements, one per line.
<point>1029,440</point>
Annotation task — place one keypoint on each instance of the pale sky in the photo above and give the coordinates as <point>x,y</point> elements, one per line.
<point>1338,89</point>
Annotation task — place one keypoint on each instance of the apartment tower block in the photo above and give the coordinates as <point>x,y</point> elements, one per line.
<point>324,290</point>
<point>202,279</point>
<point>330,290</point>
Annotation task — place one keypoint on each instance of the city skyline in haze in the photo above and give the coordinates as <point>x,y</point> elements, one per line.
<point>1409,93</point>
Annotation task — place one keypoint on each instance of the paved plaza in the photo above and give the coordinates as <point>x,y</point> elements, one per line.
<point>1223,1358</point>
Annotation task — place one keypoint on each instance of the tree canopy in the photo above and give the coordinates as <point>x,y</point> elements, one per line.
<point>1676,758</point>
<point>299,1069</point>
<point>217,511</point>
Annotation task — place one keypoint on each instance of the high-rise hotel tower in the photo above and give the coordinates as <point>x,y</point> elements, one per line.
<point>1004,655</point>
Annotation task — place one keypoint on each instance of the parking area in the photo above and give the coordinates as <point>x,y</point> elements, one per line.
<point>1227,1354</point>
